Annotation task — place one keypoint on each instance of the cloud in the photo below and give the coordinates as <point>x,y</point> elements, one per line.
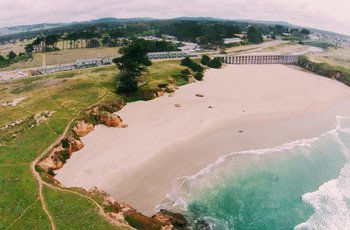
<point>323,14</point>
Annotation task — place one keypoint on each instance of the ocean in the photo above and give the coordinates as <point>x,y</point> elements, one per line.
<point>304,184</point>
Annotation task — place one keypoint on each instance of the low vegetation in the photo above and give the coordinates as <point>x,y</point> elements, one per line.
<point>14,58</point>
<point>196,68</point>
<point>21,144</point>
<point>211,62</point>
<point>339,73</point>
<point>193,65</point>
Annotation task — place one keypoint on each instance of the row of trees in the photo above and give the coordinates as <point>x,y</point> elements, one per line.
<point>205,32</point>
<point>12,57</point>
<point>134,63</point>
<point>82,39</point>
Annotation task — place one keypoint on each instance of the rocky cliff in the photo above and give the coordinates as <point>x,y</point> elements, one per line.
<point>118,212</point>
<point>335,72</point>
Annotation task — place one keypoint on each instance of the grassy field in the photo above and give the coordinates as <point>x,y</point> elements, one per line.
<point>64,57</point>
<point>64,94</point>
<point>333,56</point>
<point>286,48</point>
<point>17,47</point>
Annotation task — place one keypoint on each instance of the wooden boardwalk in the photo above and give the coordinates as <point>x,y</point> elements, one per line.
<point>261,59</point>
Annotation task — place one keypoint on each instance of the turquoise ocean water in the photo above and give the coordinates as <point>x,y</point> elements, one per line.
<point>300,185</point>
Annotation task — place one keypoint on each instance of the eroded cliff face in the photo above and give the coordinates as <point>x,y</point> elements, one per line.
<point>323,69</point>
<point>59,154</point>
<point>82,128</point>
<point>117,212</point>
<point>124,214</point>
<point>102,114</point>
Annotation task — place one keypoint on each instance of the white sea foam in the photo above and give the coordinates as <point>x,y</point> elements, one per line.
<point>332,200</point>
<point>329,202</point>
<point>182,187</point>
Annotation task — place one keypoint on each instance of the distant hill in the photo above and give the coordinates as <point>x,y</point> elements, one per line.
<point>12,31</point>
<point>237,20</point>
<point>111,20</point>
<point>29,28</point>
<point>282,23</point>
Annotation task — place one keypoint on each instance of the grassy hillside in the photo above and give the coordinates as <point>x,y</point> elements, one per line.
<point>333,56</point>
<point>64,94</point>
<point>64,57</point>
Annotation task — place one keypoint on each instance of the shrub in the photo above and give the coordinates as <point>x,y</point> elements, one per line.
<point>215,63</point>
<point>169,90</point>
<point>199,76</point>
<point>205,60</point>
<point>162,85</point>
<point>65,143</point>
<point>51,172</point>
<point>185,72</point>
<point>64,156</point>
<point>191,64</point>
<point>39,169</point>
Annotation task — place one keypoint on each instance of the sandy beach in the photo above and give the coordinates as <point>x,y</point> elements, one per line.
<point>252,106</point>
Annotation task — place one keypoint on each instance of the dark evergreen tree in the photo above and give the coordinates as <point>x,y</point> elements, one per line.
<point>12,55</point>
<point>132,64</point>
<point>205,60</point>
<point>254,36</point>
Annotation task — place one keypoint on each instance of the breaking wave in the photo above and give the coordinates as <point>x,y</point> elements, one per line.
<point>330,204</point>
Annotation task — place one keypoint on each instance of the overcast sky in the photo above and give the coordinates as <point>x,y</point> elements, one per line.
<point>324,14</point>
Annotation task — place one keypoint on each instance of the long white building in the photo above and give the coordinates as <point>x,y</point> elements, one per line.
<point>170,55</point>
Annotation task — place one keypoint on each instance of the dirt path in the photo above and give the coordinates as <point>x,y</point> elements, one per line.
<point>41,182</point>
<point>22,214</point>
<point>39,179</point>
<point>44,60</point>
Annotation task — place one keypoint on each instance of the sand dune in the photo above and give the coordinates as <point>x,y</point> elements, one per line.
<point>253,106</point>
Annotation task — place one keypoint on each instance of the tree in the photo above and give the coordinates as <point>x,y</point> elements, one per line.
<point>305,31</point>
<point>2,58</point>
<point>51,40</point>
<point>29,48</point>
<point>132,64</point>
<point>106,41</point>
<point>254,36</point>
<point>38,42</point>
<point>93,43</point>
<point>12,55</point>
<point>116,34</point>
<point>205,60</point>
<point>127,83</point>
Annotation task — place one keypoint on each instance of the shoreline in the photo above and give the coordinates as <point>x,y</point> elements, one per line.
<point>139,169</point>
<point>277,127</point>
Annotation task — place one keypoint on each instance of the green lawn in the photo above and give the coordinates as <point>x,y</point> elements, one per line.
<point>67,208</point>
<point>65,94</point>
